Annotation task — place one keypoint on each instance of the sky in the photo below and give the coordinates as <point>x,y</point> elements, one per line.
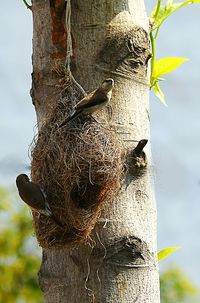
<point>175,129</point>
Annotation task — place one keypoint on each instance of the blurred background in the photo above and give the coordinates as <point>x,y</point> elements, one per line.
<point>174,129</point>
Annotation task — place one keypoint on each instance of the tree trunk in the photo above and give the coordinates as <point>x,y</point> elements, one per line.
<point>110,40</point>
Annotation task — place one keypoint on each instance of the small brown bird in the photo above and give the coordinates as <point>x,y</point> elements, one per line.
<point>93,101</point>
<point>33,195</point>
<point>139,155</point>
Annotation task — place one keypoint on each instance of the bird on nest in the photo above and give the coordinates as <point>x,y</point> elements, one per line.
<point>93,101</point>
<point>34,196</point>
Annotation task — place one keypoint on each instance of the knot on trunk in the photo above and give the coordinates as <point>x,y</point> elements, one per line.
<point>126,53</point>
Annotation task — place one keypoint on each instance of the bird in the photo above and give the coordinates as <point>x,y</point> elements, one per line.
<point>93,101</point>
<point>139,155</point>
<point>34,196</point>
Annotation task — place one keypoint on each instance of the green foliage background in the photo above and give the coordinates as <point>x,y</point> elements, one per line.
<point>176,287</point>
<point>19,255</point>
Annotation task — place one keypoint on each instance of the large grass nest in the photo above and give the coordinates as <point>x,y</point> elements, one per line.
<point>79,167</point>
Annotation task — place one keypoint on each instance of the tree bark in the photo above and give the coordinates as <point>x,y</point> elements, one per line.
<point>110,39</point>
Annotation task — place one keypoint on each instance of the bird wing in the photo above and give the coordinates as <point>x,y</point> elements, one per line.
<point>37,196</point>
<point>85,100</point>
<point>94,98</point>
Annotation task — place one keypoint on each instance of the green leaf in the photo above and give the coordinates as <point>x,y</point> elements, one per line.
<point>168,9</point>
<point>159,14</point>
<point>158,92</point>
<point>169,4</point>
<point>191,2</point>
<point>164,253</point>
<point>167,65</point>
<point>164,13</point>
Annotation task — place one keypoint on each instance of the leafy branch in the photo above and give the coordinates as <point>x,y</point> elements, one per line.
<point>165,65</point>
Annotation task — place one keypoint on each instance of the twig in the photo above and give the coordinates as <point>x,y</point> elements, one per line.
<point>27,5</point>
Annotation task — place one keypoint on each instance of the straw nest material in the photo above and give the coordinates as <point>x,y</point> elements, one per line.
<point>79,167</point>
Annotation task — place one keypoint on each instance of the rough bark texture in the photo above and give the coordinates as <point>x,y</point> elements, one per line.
<point>110,40</point>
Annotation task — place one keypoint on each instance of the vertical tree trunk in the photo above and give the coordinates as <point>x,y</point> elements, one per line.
<point>110,40</point>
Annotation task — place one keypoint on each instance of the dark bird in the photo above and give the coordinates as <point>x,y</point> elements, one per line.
<point>93,101</point>
<point>34,196</point>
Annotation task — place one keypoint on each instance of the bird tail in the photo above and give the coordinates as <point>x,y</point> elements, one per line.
<point>48,212</point>
<point>74,115</point>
